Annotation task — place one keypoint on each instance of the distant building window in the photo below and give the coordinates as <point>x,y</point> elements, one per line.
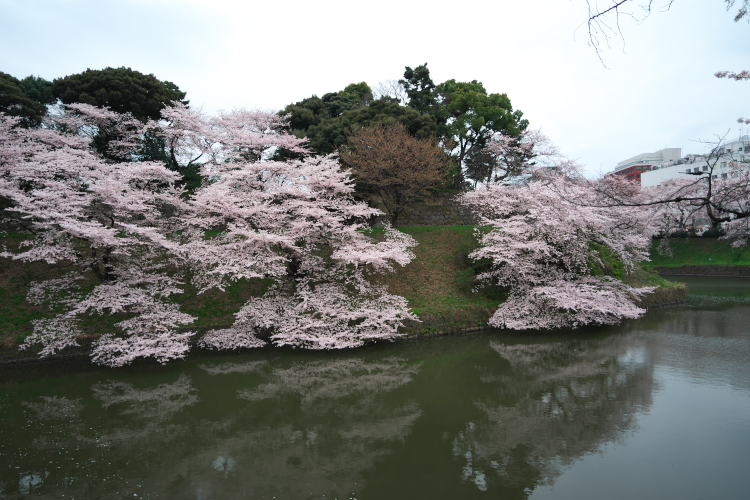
<point>723,176</point>
<point>723,164</point>
<point>695,170</point>
<point>705,168</point>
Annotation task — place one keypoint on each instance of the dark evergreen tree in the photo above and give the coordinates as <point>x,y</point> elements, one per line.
<point>120,89</point>
<point>420,89</point>
<point>38,89</point>
<point>15,102</point>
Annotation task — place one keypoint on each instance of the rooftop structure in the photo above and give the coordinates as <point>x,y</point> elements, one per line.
<point>692,164</point>
<point>657,158</point>
<point>634,167</point>
<point>651,169</point>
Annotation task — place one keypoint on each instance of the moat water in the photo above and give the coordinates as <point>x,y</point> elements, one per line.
<point>654,408</point>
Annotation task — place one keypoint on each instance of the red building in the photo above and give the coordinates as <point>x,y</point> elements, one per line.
<point>633,173</point>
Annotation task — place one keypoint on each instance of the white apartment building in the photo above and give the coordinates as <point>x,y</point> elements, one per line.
<point>651,169</point>
<point>659,157</point>
<point>632,168</point>
<point>738,150</point>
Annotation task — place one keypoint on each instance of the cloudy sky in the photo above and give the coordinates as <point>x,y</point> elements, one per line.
<point>657,87</point>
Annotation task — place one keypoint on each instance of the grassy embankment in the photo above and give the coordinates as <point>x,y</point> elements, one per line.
<point>699,252</point>
<point>438,284</point>
<point>667,292</point>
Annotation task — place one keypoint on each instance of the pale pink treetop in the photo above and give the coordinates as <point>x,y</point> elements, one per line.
<point>296,223</point>
<point>216,142</point>
<point>122,220</point>
<point>517,157</point>
<point>540,243</point>
<point>105,219</point>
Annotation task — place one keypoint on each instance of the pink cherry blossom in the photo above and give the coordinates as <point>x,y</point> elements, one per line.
<point>122,220</point>
<point>540,240</point>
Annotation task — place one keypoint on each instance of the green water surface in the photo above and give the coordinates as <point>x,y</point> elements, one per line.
<point>653,408</point>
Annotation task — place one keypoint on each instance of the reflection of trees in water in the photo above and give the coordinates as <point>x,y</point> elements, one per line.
<point>297,458</point>
<point>74,447</point>
<point>56,418</point>
<point>341,428</point>
<point>718,302</point>
<point>731,322</point>
<point>708,344</point>
<point>331,379</point>
<point>227,368</point>
<point>158,403</point>
<point>308,429</point>
<point>558,402</point>
<point>55,408</point>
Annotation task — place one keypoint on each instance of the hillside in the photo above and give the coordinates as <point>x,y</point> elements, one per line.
<point>439,285</point>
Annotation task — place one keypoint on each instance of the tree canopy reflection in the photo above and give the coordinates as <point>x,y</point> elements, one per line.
<point>508,417</point>
<point>557,402</point>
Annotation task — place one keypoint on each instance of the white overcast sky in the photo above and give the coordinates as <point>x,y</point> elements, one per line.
<point>658,88</point>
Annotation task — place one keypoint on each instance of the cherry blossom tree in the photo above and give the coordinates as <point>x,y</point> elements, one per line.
<point>507,158</point>
<point>100,218</point>
<point>122,220</point>
<point>294,222</point>
<point>542,241</point>
<point>720,194</point>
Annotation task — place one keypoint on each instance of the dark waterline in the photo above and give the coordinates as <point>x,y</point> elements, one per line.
<point>655,408</point>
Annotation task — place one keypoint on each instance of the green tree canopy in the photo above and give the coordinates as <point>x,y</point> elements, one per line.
<point>121,89</point>
<point>314,110</point>
<point>462,116</point>
<point>38,89</point>
<point>327,135</point>
<point>328,122</point>
<point>420,88</point>
<point>467,116</point>
<point>14,101</point>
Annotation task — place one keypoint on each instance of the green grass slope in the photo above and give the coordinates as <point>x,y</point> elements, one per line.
<point>699,252</point>
<point>439,283</point>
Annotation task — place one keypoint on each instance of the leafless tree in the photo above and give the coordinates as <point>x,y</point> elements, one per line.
<point>716,189</point>
<point>603,22</point>
<point>392,89</point>
<point>393,167</point>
